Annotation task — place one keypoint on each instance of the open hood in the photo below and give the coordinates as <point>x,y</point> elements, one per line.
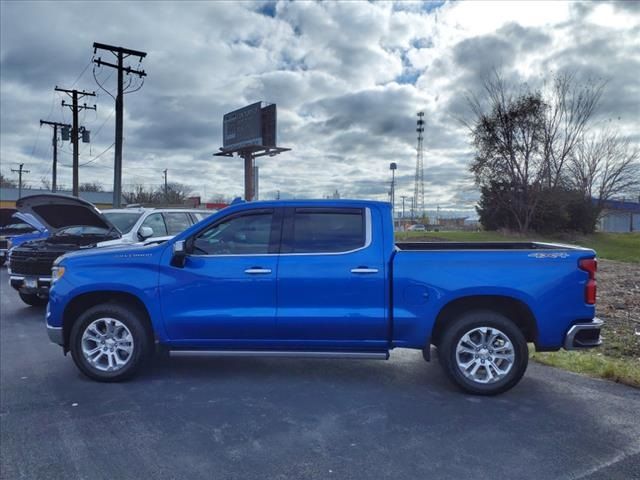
<point>30,220</point>
<point>5,216</point>
<point>56,212</point>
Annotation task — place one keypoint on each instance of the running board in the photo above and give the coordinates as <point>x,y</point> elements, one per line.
<point>281,354</point>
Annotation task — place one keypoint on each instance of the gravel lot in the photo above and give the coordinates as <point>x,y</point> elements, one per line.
<point>619,305</point>
<point>274,419</point>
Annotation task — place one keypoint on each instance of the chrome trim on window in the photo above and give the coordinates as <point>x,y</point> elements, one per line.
<point>367,243</point>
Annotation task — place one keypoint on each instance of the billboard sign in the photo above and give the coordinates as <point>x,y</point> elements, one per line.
<point>242,127</point>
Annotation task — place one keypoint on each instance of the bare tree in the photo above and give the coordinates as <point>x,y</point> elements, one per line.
<point>569,108</point>
<point>140,194</point>
<point>524,139</point>
<point>7,182</point>
<point>176,193</point>
<point>90,187</point>
<point>604,166</point>
<point>509,141</point>
<point>46,183</point>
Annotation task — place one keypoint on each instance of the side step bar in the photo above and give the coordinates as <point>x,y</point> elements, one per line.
<point>281,354</point>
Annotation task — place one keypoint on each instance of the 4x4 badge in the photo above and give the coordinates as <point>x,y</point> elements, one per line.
<point>549,255</point>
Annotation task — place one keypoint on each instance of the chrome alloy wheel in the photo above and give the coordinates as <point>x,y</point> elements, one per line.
<point>107,344</point>
<point>485,355</point>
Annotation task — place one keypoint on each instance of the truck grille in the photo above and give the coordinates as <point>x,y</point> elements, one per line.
<point>32,263</point>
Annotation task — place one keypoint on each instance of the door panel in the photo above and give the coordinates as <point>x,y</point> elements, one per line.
<point>320,299</point>
<point>216,298</point>
<point>226,290</point>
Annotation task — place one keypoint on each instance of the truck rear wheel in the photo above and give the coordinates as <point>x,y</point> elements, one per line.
<point>109,342</point>
<point>483,352</point>
<point>33,299</point>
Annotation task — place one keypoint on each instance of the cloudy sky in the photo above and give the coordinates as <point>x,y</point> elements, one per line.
<point>348,79</point>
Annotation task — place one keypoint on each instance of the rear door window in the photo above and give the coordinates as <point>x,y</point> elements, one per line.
<point>327,231</point>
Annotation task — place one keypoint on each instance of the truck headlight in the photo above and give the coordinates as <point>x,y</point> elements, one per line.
<point>56,273</point>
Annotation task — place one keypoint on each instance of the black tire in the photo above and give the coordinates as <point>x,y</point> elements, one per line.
<point>33,299</point>
<point>132,319</point>
<point>466,323</point>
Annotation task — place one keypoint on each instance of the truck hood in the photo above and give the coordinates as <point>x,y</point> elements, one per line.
<point>56,212</point>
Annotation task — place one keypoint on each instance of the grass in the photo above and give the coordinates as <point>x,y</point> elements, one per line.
<point>622,370</point>
<point>624,247</point>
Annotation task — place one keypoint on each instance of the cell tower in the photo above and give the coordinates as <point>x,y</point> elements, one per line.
<point>418,193</point>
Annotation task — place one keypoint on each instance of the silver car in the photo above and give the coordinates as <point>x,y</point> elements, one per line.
<point>150,225</point>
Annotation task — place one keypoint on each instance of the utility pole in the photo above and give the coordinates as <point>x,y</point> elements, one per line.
<point>75,131</point>
<point>418,189</point>
<point>393,167</point>
<point>403,197</point>
<point>121,54</point>
<point>166,186</point>
<point>20,171</point>
<point>55,125</point>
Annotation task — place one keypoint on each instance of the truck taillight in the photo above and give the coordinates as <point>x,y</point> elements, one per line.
<point>590,265</point>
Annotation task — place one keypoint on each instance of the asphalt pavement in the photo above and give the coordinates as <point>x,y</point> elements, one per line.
<point>251,418</point>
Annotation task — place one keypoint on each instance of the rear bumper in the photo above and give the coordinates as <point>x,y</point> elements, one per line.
<point>584,335</point>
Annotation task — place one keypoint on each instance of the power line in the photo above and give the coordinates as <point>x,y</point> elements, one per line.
<point>82,72</point>
<point>98,156</point>
<point>95,134</point>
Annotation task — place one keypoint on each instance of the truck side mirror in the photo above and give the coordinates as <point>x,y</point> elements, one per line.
<point>145,232</point>
<point>179,254</point>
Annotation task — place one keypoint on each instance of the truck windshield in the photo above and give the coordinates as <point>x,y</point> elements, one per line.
<point>123,221</point>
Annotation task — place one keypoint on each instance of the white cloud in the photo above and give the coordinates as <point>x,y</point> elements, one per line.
<point>348,78</point>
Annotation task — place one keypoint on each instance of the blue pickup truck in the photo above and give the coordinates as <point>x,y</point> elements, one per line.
<point>322,278</point>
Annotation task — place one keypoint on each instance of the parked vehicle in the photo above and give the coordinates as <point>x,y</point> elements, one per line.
<point>75,224</point>
<point>323,279</point>
<point>140,224</point>
<point>417,228</point>
<point>16,228</point>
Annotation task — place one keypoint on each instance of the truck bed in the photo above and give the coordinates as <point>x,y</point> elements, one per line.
<point>408,246</point>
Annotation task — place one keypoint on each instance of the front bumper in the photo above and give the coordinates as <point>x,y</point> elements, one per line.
<point>55,335</point>
<point>584,335</point>
<point>30,283</point>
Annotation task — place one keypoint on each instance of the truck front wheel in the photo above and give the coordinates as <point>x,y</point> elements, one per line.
<point>109,343</point>
<point>483,352</point>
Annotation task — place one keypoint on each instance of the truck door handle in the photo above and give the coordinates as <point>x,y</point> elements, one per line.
<point>257,271</point>
<point>364,270</point>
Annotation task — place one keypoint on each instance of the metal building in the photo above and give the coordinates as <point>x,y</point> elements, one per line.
<point>620,216</point>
